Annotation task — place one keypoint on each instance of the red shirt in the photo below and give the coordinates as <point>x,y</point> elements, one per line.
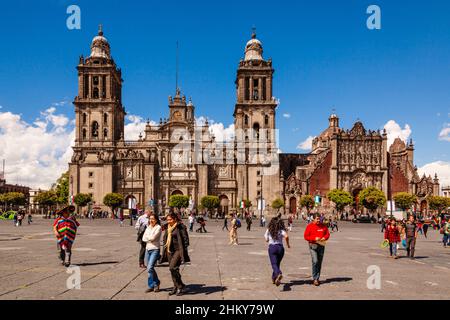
<point>392,234</point>
<point>314,231</point>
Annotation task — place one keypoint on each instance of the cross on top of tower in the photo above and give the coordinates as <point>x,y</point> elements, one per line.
<point>100,30</point>
<point>253,32</point>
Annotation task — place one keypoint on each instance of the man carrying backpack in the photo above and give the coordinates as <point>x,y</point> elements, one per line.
<point>235,224</point>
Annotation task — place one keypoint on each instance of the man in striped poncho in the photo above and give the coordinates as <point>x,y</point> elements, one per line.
<point>65,230</point>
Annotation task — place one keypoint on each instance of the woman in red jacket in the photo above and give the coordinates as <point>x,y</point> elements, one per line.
<point>316,234</point>
<point>392,234</point>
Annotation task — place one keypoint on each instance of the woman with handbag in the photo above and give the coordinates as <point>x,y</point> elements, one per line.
<point>176,243</point>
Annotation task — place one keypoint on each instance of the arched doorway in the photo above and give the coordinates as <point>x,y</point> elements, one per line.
<point>177,193</point>
<point>131,202</point>
<point>293,205</point>
<point>356,205</point>
<point>224,205</point>
<point>423,207</point>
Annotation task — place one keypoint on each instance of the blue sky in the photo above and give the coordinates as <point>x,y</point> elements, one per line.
<point>323,53</point>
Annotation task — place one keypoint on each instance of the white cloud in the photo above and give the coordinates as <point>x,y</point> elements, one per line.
<point>444,135</point>
<point>36,153</point>
<point>218,129</point>
<point>441,168</point>
<point>394,131</point>
<point>307,144</point>
<point>287,115</point>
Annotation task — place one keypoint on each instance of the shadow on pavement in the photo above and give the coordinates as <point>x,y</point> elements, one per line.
<point>87,264</point>
<point>288,286</point>
<point>193,289</point>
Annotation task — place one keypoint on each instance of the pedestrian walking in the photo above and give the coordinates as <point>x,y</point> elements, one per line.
<point>16,219</point>
<point>446,235</point>
<point>263,221</point>
<point>121,217</point>
<point>425,229</point>
<point>235,224</point>
<point>202,224</point>
<point>176,243</point>
<point>65,229</point>
<point>191,222</point>
<point>274,236</point>
<point>225,223</point>
<point>411,233</point>
<point>249,221</point>
<point>141,226</point>
<point>383,225</point>
<point>30,218</point>
<point>317,234</point>
<point>152,238</point>
<point>392,234</point>
<point>290,222</point>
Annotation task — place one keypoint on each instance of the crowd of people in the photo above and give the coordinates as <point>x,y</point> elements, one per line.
<point>175,240</point>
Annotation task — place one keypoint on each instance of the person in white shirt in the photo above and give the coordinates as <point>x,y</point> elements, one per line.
<point>152,238</point>
<point>191,222</point>
<point>274,236</point>
<point>141,226</point>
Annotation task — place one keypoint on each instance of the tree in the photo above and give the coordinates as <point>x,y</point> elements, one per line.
<point>46,199</point>
<point>178,201</point>
<point>210,202</point>
<point>82,199</point>
<point>372,198</point>
<point>340,198</point>
<point>438,203</point>
<point>307,202</point>
<point>61,188</point>
<point>277,204</point>
<point>404,200</point>
<point>113,201</point>
<point>14,199</point>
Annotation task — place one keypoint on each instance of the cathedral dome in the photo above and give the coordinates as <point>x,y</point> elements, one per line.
<point>100,46</point>
<point>253,49</point>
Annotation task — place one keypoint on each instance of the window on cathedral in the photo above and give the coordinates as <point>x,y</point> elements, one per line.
<point>246,120</point>
<point>84,134</point>
<point>247,88</point>
<point>255,89</point>
<point>264,90</point>
<point>84,118</point>
<point>91,174</point>
<point>256,130</point>
<point>104,87</point>
<point>266,120</point>
<point>91,185</point>
<point>95,93</point>
<point>95,81</point>
<point>105,118</point>
<point>95,127</point>
<point>105,133</point>
<point>258,183</point>
<point>86,86</point>
<point>258,173</point>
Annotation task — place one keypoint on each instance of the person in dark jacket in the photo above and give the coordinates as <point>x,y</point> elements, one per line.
<point>176,243</point>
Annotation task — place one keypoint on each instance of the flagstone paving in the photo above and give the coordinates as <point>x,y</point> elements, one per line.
<point>107,258</point>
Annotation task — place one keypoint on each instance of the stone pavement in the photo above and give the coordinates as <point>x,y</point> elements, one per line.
<point>107,257</point>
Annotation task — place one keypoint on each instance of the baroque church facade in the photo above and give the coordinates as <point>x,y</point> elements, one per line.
<point>180,157</point>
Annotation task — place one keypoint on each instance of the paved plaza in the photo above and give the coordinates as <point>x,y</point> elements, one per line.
<point>107,256</point>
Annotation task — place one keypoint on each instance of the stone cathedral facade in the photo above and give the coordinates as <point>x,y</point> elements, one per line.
<point>179,156</point>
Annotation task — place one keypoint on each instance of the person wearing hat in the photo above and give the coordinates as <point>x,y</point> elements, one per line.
<point>65,229</point>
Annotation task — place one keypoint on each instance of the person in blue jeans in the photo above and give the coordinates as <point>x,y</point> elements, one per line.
<point>152,237</point>
<point>274,236</point>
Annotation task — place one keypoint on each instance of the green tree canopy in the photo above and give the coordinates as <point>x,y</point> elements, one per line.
<point>307,201</point>
<point>210,202</point>
<point>340,198</point>
<point>404,200</point>
<point>14,198</point>
<point>46,198</point>
<point>438,203</point>
<point>372,198</point>
<point>113,200</point>
<point>178,201</point>
<point>277,204</point>
<point>61,188</point>
<point>82,199</point>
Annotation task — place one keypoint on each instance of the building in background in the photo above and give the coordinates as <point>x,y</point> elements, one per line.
<point>446,191</point>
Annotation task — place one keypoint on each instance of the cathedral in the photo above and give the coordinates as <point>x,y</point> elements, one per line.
<point>180,156</point>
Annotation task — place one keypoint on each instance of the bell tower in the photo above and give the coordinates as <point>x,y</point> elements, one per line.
<point>98,106</point>
<point>255,106</point>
